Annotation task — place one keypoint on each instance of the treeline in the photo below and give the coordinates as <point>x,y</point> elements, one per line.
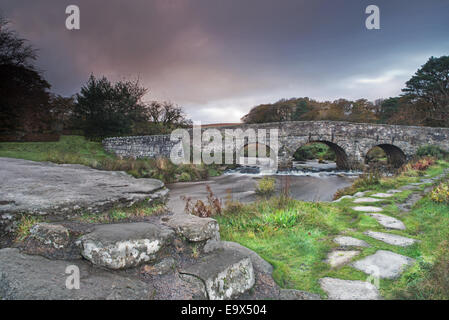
<point>31,112</point>
<point>424,102</point>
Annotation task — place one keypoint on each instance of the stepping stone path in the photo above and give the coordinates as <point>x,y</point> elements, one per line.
<point>367,209</point>
<point>394,191</point>
<point>344,241</point>
<point>366,200</point>
<point>388,222</point>
<point>338,289</point>
<point>383,264</point>
<point>338,258</point>
<point>392,239</point>
<point>382,195</point>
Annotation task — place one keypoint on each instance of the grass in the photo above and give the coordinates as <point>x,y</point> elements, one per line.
<point>296,237</point>
<point>135,212</point>
<point>78,150</point>
<point>24,226</point>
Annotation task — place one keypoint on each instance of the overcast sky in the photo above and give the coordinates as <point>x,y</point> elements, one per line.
<point>219,58</point>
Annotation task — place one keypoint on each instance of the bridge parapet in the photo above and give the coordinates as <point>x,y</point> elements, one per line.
<point>350,141</point>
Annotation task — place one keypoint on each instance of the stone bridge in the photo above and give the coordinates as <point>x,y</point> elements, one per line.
<point>351,142</point>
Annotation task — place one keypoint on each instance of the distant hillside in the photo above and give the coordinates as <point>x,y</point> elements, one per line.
<point>305,109</point>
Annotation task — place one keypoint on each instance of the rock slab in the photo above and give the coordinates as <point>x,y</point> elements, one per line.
<point>338,258</point>
<point>53,241</point>
<point>392,239</point>
<point>226,274</point>
<point>383,264</point>
<point>366,200</point>
<point>367,209</point>
<point>388,222</point>
<point>338,289</point>
<point>25,277</point>
<point>62,190</point>
<point>193,228</point>
<point>119,246</point>
<point>345,241</point>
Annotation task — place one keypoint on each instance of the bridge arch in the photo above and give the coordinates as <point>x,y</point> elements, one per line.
<point>342,159</point>
<point>396,157</point>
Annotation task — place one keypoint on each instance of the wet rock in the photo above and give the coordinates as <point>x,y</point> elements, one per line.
<point>392,239</point>
<point>383,264</point>
<point>193,228</point>
<point>53,241</point>
<point>27,277</point>
<point>226,274</point>
<point>118,246</point>
<point>338,289</point>
<point>345,241</point>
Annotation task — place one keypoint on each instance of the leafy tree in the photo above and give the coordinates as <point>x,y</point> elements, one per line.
<point>24,95</point>
<point>13,49</point>
<point>105,109</point>
<point>429,90</point>
<point>388,108</point>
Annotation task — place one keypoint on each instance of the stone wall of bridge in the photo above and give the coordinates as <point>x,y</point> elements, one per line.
<point>350,141</point>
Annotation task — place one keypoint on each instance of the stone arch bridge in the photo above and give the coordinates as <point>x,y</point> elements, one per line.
<point>351,142</point>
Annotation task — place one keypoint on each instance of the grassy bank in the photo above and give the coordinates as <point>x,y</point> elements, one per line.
<point>78,150</point>
<point>295,237</point>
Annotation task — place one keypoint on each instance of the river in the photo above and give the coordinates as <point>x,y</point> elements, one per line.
<point>309,181</point>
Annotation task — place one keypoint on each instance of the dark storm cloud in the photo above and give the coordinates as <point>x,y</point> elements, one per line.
<point>220,57</point>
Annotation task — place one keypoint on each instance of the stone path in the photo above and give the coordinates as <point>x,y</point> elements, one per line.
<point>383,263</point>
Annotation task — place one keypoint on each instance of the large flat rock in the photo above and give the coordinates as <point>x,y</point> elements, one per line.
<point>392,239</point>
<point>226,274</point>
<point>125,245</point>
<point>383,264</point>
<point>25,277</point>
<point>48,188</point>
<point>338,289</point>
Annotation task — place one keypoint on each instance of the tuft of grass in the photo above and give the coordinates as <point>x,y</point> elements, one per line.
<point>266,186</point>
<point>136,212</point>
<point>24,225</point>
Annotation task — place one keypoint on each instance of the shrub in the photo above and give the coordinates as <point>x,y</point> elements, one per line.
<point>431,151</point>
<point>232,206</point>
<point>423,164</point>
<point>201,209</point>
<point>266,186</point>
<point>440,193</point>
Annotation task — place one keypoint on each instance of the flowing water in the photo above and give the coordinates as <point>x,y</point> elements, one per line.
<point>310,181</point>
